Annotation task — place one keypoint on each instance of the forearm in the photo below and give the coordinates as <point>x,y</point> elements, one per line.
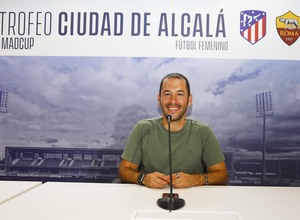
<point>128,175</point>
<point>128,172</point>
<point>216,178</point>
<point>213,178</point>
<point>217,174</point>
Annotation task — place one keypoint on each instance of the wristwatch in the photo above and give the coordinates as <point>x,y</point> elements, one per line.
<point>141,178</point>
<point>205,179</point>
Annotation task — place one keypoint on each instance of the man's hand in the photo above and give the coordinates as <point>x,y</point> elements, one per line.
<point>182,180</point>
<point>217,175</point>
<point>128,173</point>
<point>156,180</point>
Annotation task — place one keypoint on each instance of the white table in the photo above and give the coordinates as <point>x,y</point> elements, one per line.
<point>120,201</point>
<point>12,189</point>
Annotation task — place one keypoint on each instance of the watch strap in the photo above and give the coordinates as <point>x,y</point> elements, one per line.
<point>141,178</point>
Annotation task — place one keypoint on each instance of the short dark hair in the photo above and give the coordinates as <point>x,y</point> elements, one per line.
<point>176,76</point>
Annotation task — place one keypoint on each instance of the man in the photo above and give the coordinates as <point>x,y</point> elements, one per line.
<point>197,158</point>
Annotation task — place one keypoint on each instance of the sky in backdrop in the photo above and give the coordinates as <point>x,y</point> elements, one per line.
<point>93,102</point>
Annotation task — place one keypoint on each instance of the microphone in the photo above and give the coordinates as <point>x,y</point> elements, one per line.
<point>170,201</point>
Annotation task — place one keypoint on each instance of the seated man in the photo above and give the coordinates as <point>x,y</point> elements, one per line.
<point>197,158</point>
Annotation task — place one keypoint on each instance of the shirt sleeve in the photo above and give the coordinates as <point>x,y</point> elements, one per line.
<point>212,153</point>
<point>133,149</point>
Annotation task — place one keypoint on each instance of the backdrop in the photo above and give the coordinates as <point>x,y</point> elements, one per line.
<point>80,74</point>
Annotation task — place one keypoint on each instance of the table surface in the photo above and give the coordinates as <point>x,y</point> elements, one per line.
<point>122,201</point>
<point>12,189</point>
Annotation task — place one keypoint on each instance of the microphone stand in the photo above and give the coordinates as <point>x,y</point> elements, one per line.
<point>170,201</point>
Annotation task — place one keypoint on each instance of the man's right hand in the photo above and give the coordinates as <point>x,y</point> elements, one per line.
<point>156,180</point>
<point>128,173</point>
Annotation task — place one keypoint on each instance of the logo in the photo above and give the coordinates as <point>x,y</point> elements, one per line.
<point>253,25</point>
<point>288,27</point>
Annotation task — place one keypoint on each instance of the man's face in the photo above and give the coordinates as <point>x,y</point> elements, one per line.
<point>174,99</point>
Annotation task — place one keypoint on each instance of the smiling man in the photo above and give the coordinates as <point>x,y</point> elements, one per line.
<point>197,158</point>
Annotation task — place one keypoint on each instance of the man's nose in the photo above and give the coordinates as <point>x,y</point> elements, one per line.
<point>173,99</point>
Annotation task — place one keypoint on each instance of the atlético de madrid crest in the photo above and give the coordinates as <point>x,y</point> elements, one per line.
<point>288,27</point>
<point>253,25</point>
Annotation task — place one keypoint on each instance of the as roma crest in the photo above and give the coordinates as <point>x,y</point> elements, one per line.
<point>253,25</point>
<point>288,27</point>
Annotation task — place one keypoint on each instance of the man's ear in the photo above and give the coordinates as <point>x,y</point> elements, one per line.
<point>190,101</point>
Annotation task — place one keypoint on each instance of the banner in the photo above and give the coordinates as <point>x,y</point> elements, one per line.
<point>199,29</point>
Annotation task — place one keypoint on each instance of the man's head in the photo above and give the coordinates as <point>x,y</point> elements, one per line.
<point>176,76</point>
<point>174,96</point>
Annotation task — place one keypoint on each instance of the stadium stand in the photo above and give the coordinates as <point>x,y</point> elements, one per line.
<point>61,164</point>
